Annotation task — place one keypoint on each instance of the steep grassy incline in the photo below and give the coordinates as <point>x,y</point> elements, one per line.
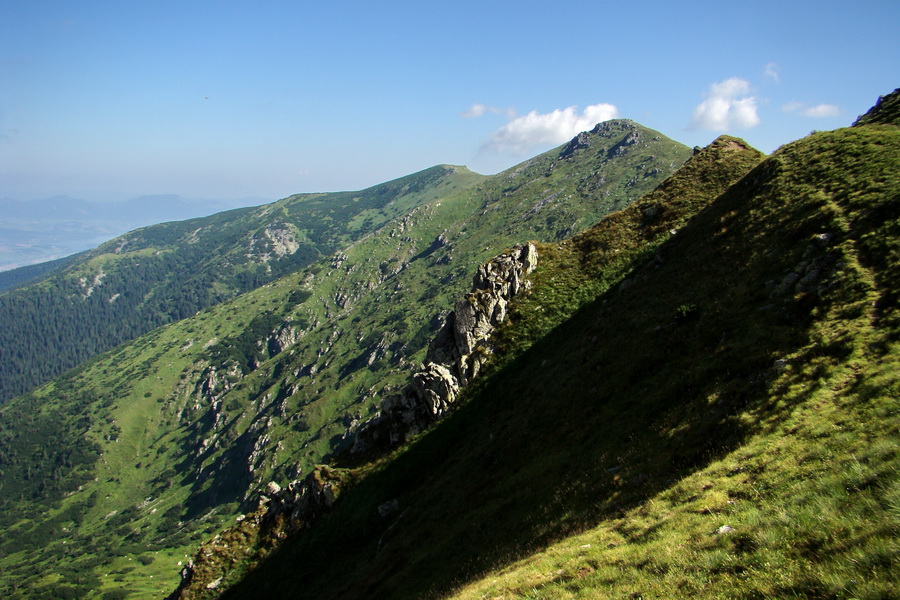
<point>159,274</point>
<point>562,283</point>
<point>171,436</point>
<point>720,423</point>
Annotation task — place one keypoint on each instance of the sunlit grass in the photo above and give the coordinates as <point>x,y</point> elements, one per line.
<point>812,509</point>
<point>703,431</point>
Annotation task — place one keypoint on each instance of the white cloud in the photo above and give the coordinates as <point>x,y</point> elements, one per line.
<point>527,132</point>
<point>475,111</point>
<point>771,72</point>
<point>816,112</point>
<point>822,110</point>
<point>478,110</point>
<point>728,105</point>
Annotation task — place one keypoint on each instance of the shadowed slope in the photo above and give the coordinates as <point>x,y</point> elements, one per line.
<point>143,452</point>
<point>764,305</point>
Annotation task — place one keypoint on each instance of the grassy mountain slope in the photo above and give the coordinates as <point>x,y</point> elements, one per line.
<point>155,275</point>
<point>141,452</point>
<point>721,422</point>
<point>562,284</point>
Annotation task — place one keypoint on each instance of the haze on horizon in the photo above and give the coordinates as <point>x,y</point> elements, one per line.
<point>228,100</point>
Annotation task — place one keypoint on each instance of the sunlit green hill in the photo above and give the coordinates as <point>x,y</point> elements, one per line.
<point>112,473</point>
<point>162,273</point>
<point>716,417</point>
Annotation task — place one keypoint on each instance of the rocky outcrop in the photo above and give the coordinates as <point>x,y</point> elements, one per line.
<point>212,385</point>
<point>300,503</point>
<point>275,241</point>
<point>282,511</point>
<point>579,142</point>
<point>88,286</point>
<point>811,274</point>
<point>282,337</point>
<point>454,358</point>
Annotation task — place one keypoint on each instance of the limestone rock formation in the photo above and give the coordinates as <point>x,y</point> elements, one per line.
<point>297,505</point>
<point>454,358</point>
<point>282,338</point>
<point>282,511</point>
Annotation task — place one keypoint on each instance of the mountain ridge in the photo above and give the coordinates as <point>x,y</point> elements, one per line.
<point>43,229</point>
<point>434,389</point>
<point>696,397</point>
<point>191,419</point>
<point>727,438</point>
<point>166,272</point>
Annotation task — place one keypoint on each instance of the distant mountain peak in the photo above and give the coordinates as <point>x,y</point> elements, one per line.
<point>604,130</point>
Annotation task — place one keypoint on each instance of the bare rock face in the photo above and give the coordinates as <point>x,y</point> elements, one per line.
<point>455,356</point>
<point>453,360</point>
<point>296,506</point>
<point>276,241</point>
<point>282,338</point>
<point>282,512</point>
<point>475,316</point>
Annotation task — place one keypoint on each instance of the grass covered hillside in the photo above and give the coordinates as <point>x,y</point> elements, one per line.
<point>113,473</point>
<point>162,273</point>
<point>719,420</point>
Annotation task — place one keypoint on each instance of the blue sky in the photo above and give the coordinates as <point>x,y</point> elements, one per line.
<point>231,99</point>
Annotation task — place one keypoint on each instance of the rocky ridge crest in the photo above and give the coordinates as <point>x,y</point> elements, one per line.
<point>454,359</point>
<point>281,512</point>
<point>455,356</point>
